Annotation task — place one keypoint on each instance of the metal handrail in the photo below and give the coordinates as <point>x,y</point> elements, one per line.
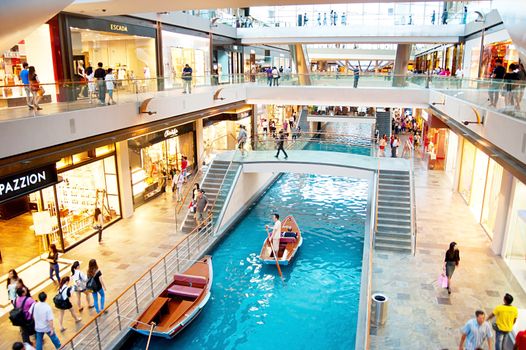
<point>193,239</point>
<point>376,199</point>
<point>413,207</point>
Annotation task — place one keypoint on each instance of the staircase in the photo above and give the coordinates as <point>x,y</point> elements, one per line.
<point>393,229</point>
<point>216,194</point>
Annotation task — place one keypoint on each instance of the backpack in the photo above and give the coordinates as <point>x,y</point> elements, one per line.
<point>17,315</point>
<point>59,301</point>
<point>92,284</point>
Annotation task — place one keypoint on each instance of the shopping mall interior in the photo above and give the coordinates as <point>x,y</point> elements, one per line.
<point>160,139</point>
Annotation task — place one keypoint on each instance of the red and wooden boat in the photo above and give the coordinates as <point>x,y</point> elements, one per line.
<point>180,303</point>
<point>288,245</point>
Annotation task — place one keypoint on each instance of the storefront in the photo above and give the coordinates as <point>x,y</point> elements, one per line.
<point>504,50</point>
<point>58,204</point>
<point>127,47</point>
<point>153,156</point>
<point>35,49</point>
<point>180,49</point>
<point>220,131</point>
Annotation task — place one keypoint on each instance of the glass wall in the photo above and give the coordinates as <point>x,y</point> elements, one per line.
<point>515,254</point>
<point>180,49</point>
<point>479,183</point>
<point>491,197</point>
<point>466,170</point>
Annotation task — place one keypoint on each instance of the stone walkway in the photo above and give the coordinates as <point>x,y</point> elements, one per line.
<point>422,315</point>
<point>128,249</point>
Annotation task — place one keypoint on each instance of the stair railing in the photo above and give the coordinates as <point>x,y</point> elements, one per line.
<point>221,187</point>
<point>376,199</point>
<point>413,206</point>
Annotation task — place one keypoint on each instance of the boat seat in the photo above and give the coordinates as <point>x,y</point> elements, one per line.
<point>190,280</point>
<point>185,291</point>
<point>153,310</point>
<point>287,240</point>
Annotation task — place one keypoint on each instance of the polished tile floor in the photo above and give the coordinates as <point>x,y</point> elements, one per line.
<point>422,315</point>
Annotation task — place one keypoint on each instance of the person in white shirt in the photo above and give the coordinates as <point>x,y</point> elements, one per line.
<point>110,78</point>
<point>22,346</point>
<point>276,233</point>
<point>43,317</point>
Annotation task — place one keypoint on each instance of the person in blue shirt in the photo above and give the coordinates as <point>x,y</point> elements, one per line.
<point>24,76</point>
<point>356,72</point>
<point>475,332</point>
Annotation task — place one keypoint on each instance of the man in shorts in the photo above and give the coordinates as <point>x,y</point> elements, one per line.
<point>201,207</point>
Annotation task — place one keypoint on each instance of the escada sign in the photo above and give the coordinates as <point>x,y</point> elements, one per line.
<point>118,27</point>
<point>24,183</point>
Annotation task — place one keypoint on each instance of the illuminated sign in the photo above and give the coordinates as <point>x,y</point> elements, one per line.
<point>118,27</point>
<point>170,133</point>
<point>24,183</point>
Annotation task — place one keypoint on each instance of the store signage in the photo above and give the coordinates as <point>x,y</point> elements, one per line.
<point>170,133</point>
<point>118,27</point>
<point>24,183</point>
<point>11,54</point>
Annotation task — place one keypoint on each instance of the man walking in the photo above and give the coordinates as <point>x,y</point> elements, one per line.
<point>100,75</point>
<point>24,76</point>
<point>187,79</point>
<point>201,207</point>
<point>356,72</point>
<point>475,332</point>
<point>280,142</point>
<point>43,317</point>
<point>496,82</point>
<point>506,316</point>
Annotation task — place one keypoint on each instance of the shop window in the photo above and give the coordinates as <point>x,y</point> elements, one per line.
<point>516,237</point>
<point>479,183</point>
<point>466,170</point>
<point>491,197</point>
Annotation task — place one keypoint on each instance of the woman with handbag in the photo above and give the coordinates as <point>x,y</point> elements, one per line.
<point>98,222</point>
<point>79,285</point>
<point>36,90</point>
<point>96,285</point>
<point>62,302</point>
<point>24,302</point>
<point>451,261</point>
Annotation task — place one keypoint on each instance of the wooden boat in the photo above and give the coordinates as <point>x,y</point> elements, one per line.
<point>288,245</point>
<point>180,303</point>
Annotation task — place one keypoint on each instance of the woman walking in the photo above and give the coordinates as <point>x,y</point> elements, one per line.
<point>12,278</point>
<point>381,145</point>
<point>62,302</point>
<point>451,262</point>
<point>36,90</point>
<point>80,279</point>
<point>52,258</point>
<point>98,222</point>
<point>96,285</point>
<point>24,302</point>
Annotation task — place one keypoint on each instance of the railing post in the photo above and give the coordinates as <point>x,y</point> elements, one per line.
<point>98,332</point>
<point>136,299</point>
<point>118,314</point>
<point>151,283</point>
<point>165,272</point>
<point>188,244</point>
<point>177,257</point>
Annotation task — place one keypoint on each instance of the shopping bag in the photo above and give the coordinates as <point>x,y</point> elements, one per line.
<point>442,280</point>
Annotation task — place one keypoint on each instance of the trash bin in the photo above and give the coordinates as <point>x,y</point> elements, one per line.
<point>379,309</point>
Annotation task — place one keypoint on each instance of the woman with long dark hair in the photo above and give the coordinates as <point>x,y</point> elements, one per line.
<point>96,285</point>
<point>12,278</point>
<point>451,261</point>
<point>52,258</point>
<point>20,285</point>
<point>64,304</point>
<point>35,88</point>
<point>79,285</point>
<point>98,222</point>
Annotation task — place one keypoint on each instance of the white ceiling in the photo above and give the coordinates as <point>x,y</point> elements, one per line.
<point>122,7</point>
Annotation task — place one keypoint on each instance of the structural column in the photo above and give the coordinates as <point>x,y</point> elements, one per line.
<point>403,54</point>
<point>124,176</point>
<point>199,141</point>
<point>301,60</point>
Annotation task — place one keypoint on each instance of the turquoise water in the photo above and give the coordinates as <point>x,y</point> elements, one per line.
<point>317,306</point>
<point>338,147</point>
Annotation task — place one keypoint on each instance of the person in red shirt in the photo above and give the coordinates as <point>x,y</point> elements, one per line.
<point>520,341</point>
<point>184,165</point>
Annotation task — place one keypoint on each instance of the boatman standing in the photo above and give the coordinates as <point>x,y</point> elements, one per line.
<point>276,232</point>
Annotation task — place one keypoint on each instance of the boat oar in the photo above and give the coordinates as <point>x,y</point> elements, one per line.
<point>275,255</point>
<point>150,335</point>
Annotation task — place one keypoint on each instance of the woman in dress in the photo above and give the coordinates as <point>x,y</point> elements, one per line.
<point>12,278</point>
<point>79,285</point>
<point>65,292</point>
<point>451,261</point>
<point>36,89</point>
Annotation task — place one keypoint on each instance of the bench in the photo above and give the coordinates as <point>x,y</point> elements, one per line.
<point>285,240</point>
<point>184,291</point>
<point>153,310</point>
<point>190,280</point>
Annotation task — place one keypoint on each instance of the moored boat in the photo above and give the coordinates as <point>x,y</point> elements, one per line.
<point>289,243</point>
<point>180,303</point>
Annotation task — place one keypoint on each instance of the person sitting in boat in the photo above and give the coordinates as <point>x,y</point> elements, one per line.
<point>289,233</point>
<point>276,232</point>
